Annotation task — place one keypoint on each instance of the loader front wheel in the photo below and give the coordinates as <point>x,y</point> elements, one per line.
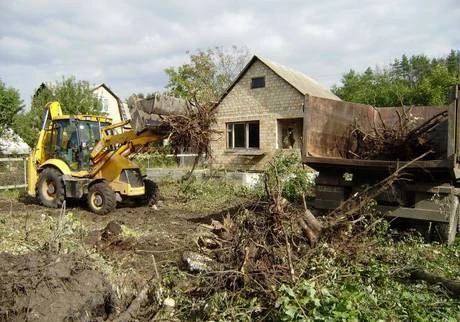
<point>101,198</point>
<point>50,188</point>
<point>151,195</point>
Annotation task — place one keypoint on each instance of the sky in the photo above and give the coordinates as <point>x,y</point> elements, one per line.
<point>128,44</point>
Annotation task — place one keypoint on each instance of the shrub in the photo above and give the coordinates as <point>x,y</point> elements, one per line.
<point>286,172</point>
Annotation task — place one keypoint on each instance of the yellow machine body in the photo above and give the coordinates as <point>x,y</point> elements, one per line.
<point>84,150</point>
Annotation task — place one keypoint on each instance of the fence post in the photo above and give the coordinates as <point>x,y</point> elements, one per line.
<point>25,171</point>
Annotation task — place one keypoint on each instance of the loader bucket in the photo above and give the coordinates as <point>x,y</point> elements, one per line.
<point>146,113</point>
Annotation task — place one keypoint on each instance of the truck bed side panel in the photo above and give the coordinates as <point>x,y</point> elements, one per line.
<point>327,126</point>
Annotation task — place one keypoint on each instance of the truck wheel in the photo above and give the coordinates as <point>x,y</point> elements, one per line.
<point>151,195</point>
<point>101,198</point>
<point>50,188</point>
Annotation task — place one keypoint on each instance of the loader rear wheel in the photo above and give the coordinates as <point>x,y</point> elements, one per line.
<point>50,188</point>
<point>101,198</point>
<point>151,195</point>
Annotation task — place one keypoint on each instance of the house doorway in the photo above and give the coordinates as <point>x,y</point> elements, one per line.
<point>290,133</point>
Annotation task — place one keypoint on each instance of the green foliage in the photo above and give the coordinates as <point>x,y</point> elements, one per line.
<point>201,194</point>
<point>305,301</point>
<point>27,125</point>
<point>161,157</point>
<point>287,173</point>
<point>208,190</point>
<point>75,97</point>
<point>10,105</point>
<point>366,286</point>
<point>208,74</point>
<point>417,80</point>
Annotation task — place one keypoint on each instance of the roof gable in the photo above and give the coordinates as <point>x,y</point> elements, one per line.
<point>304,84</point>
<point>122,109</point>
<point>108,90</point>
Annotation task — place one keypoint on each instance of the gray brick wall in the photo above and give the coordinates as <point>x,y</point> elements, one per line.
<point>275,101</point>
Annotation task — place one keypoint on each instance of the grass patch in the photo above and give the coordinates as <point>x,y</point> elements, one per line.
<point>211,194</point>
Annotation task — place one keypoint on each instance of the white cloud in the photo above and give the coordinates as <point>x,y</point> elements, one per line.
<point>127,44</point>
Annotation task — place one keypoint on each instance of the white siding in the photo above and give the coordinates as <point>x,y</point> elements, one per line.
<point>109,103</point>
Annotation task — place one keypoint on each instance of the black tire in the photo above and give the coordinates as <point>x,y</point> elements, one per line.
<point>50,188</point>
<point>151,195</point>
<point>101,198</point>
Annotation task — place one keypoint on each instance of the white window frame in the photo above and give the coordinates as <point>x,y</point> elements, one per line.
<point>231,131</point>
<point>105,105</point>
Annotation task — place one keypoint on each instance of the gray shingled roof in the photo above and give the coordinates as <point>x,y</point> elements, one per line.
<point>304,84</point>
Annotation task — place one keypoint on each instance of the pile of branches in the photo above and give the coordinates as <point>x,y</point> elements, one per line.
<point>191,130</point>
<point>404,140</point>
<point>268,244</point>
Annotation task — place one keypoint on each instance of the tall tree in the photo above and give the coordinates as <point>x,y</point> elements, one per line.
<point>10,105</point>
<point>415,80</point>
<point>208,74</point>
<point>75,97</point>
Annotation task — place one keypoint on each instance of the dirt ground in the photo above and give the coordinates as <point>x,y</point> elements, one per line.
<point>127,246</point>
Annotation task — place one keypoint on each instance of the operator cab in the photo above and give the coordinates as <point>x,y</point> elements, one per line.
<point>72,140</point>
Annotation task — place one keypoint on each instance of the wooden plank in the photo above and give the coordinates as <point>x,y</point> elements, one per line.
<point>441,189</point>
<point>324,161</point>
<point>455,134</point>
<point>451,129</point>
<point>306,125</point>
<point>414,213</point>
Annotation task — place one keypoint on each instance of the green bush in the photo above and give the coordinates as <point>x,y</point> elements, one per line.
<point>286,172</point>
<point>369,288</point>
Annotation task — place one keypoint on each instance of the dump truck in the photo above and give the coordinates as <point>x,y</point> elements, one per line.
<point>431,187</point>
<point>87,157</point>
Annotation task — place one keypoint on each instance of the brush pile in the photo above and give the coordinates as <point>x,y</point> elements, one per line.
<point>405,139</point>
<point>268,243</point>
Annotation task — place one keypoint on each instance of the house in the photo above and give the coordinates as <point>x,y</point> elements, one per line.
<point>112,105</point>
<point>260,113</point>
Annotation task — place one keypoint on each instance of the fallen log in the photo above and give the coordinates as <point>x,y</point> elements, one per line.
<point>134,308</point>
<point>142,297</point>
<point>452,286</point>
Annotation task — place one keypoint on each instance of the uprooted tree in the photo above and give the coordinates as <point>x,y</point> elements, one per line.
<point>188,123</point>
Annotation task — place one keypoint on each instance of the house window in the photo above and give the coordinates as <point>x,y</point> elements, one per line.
<point>105,105</point>
<point>258,82</point>
<point>244,135</point>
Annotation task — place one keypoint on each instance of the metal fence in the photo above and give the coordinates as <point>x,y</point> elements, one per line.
<point>156,160</point>
<point>13,173</point>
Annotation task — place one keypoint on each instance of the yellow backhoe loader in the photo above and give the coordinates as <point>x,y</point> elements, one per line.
<point>80,156</point>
